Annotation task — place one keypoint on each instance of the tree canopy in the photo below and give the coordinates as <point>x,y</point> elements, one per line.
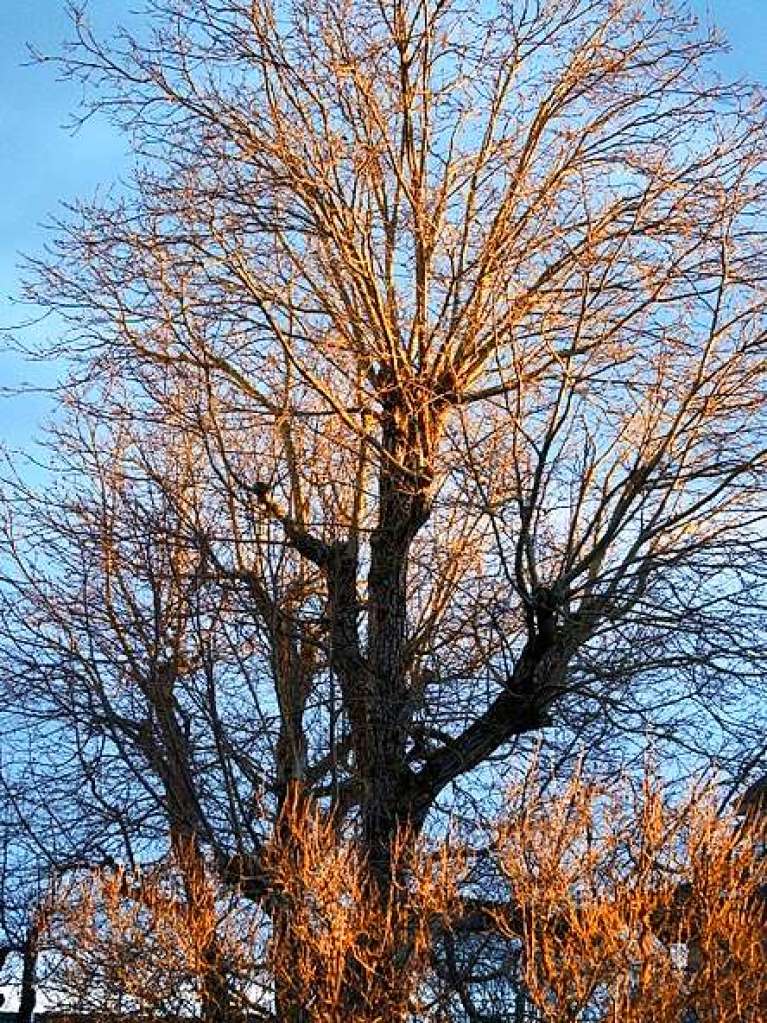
<point>414,418</point>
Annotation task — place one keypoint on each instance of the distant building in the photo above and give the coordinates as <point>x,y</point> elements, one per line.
<point>751,807</point>
<point>754,799</point>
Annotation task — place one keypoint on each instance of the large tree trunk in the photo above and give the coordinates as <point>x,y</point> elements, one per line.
<point>405,479</point>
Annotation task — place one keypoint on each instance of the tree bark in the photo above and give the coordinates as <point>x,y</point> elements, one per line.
<point>404,506</point>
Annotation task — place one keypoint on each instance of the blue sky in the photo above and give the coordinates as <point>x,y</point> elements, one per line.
<point>41,164</point>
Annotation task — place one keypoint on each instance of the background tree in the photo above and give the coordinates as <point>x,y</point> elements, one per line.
<point>416,407</point>
<point>24,899</point>
<point>634,908</point>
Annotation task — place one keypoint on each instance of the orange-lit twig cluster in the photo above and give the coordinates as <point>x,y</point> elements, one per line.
<point>626,906</point>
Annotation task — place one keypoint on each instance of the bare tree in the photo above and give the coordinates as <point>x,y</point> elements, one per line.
<point>416,407</point>
<point>23,904</point>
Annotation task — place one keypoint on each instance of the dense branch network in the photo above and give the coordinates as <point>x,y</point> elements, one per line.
<point>416,416</point>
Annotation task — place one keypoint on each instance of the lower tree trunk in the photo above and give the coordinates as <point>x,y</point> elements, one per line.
<point>216,996</point>
<point>286,1006</point>
<point>216,1002</point>
<point>28,992</point>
